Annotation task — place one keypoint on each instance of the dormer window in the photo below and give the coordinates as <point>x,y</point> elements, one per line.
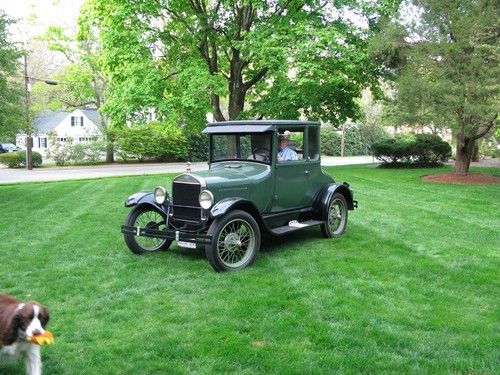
<point>76,120</point>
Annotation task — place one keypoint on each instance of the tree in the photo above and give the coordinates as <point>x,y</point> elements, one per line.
<point>280,58</point>
<point>82,81</point>
<point>11,94</point>
<point>448,71</point>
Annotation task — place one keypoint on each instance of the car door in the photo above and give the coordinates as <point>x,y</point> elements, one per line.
<point>292,177</point>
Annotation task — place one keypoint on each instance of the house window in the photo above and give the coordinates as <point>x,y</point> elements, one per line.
<point>76,120</point>
<point>42,142</point>
<point>61,139</point>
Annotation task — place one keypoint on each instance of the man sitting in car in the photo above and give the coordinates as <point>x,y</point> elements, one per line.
<point>285,152</point>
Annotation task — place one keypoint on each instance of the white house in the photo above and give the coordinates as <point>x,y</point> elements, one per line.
<point>81,125</point>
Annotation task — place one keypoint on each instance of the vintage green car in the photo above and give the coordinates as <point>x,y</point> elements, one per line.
<point>264,176</point>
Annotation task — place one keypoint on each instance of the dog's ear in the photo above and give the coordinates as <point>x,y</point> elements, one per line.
<point>43,316</point>
<point>12,330</point>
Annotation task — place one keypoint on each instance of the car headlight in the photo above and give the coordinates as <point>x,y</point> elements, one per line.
<point>160,195</point>
<point>206,199</point>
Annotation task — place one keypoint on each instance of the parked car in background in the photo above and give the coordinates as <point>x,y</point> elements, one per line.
<point>264,176</point>
<point>7,147</point>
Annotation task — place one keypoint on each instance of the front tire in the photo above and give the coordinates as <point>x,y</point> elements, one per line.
<point>336,217</point>
<point>146,216</point>
<point>235,241</point>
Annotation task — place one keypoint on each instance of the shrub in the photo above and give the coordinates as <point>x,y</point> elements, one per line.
<point>330,142</point>
<point>355,142</point>
<point>60,152</point>
<point>154,140</point>
<point>430,149</point>
<point>414,149</point>
<point>95,151</point>
<point>18,159</point>
<point>197,147</point>
<point>11,159</point>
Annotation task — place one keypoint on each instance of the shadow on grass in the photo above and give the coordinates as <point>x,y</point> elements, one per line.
<point>300,238</point>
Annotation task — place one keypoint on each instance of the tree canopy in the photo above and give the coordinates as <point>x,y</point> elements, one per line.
<point>447,66</point>
<point>11,109</point>
<point>237,59</point>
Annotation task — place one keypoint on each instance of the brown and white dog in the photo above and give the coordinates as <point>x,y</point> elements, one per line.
<point>17,322</point>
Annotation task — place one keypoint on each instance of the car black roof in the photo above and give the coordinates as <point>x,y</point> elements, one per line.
<point>254,126</point>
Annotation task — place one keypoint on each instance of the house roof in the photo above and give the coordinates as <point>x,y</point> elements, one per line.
<point>93,115</point>
<point>48,120</point>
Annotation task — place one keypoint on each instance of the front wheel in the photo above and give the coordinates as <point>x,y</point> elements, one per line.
<point>146,217</point>
<point>235,241</point>
<point>336,217</point>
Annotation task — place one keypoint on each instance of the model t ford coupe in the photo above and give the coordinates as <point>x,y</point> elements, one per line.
<point>264,176</point>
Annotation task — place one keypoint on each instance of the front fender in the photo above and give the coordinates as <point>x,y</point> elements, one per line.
<point>146,197</point>
<point>326,194</point>
<point>227,204</point>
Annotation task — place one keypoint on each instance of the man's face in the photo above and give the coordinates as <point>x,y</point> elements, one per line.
<point>283,143</point>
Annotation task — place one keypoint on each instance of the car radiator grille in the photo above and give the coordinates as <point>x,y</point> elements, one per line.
<point>186,203</point>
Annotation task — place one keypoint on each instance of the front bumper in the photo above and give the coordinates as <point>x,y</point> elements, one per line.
<point>168,234</point>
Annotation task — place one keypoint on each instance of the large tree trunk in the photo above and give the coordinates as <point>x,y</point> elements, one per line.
<point>237,90</point>
<point>110,149</point>
<point>465,147</point>
<point>475,152</point>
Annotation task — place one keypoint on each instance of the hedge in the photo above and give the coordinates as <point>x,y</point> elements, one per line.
<point>412,149</point>
<point>17,159</point>
<point>354,142</point>
<point>152,141</point>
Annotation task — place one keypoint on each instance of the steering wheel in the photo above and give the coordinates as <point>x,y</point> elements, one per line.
<point>262,152</point>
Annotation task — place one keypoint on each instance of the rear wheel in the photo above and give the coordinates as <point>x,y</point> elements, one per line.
<point>336,217</point>
<point>146,217</point>
<point>235,241</point>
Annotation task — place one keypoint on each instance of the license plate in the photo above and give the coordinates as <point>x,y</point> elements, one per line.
<point>189,245</point>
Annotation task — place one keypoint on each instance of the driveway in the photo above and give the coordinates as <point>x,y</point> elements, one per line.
<point>8,176</point>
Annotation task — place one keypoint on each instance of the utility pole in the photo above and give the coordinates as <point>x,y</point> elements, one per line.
<point>27,104</point>
<point>27,100</point>
<point>342,140</point>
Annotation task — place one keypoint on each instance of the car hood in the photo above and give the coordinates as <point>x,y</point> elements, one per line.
<point>234,173</point>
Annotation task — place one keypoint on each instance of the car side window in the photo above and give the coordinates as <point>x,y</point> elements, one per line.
<point>290,145</point>
<point>312,143</point>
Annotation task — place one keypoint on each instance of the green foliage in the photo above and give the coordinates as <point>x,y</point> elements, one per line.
<point>280,58</point>
<point>11,159</point>
<point>414,149</point>
<point>17,159</point>
<point>448,72</point>
<point>60,152</point>
<point>330,141</point>
<point>11,110</point>
<point>91,152</point>
<point>356,141</point>
<point>154,140</point>
<point>197,147</point>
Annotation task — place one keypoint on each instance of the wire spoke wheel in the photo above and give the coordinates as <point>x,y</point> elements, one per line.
<point>336,217</point>
<point>150,218</point>
<point>235,241</point>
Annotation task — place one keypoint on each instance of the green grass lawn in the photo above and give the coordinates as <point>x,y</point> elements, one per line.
<point>412,287</point>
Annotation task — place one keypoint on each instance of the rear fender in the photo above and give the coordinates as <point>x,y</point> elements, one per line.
<point>146,197</point>
<point>326,194</point>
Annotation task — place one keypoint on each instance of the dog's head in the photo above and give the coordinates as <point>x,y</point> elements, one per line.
<point>31,319</point>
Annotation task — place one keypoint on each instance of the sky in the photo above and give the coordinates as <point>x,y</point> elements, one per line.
<point>34,16</point>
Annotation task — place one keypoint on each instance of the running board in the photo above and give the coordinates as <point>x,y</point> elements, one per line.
<point>293,226</point>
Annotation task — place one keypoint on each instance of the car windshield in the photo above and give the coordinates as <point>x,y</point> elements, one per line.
<point>250,147</point>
